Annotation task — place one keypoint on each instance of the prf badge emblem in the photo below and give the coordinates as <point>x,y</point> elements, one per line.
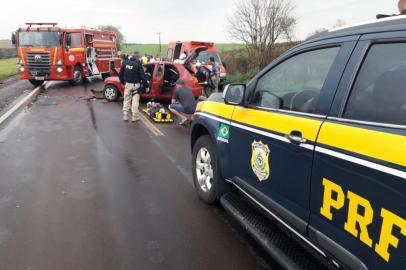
<point>260,160</point>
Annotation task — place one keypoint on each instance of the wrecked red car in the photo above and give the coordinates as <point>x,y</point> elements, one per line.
<point>162,78</point>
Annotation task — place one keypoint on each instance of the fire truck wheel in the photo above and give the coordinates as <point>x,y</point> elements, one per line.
<point>36,83</point>
<point>77,76</point>
<point>111,93</point>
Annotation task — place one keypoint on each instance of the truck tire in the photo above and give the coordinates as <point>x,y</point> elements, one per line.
<point>111,93</point>
<point>36,83</point>
<point>208,182</point>
<point>78,76</point>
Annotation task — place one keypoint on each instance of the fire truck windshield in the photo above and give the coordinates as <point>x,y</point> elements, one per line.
<point>39,39</point>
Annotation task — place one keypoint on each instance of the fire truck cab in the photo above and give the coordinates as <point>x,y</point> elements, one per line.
<point>49,53</point>
<point>177,48</point>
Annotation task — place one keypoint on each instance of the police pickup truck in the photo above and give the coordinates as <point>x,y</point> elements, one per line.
<point>310,155</point>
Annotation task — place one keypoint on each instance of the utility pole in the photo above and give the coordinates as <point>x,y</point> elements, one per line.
<point>160,45</point>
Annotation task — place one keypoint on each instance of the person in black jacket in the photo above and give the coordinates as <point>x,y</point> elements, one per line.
<point>133,77</point>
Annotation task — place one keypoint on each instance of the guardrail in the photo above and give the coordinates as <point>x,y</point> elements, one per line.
<point>8,53</point>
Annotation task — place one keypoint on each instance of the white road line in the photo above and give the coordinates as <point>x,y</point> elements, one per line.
<point>156,131</point>
<point>5,116</point>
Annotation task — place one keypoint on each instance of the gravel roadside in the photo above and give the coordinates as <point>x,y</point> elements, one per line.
<point>11,89</point>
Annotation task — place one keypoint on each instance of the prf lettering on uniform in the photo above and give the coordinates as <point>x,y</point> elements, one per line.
<point>129,67</point>
<point>334,199</point>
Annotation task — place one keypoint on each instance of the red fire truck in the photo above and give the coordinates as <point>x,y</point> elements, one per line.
<point>49,53</point>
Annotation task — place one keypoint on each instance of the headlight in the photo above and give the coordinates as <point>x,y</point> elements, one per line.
<point>20,62</point>
<point>59,70</point>
<point>59,62</point>
<point>21,69</point>
<point>223,75</point>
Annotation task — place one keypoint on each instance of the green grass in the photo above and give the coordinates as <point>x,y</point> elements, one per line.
<point>8,67</point>
<point>152,49</point>
<point>226,47</point>
<point>5,44</point>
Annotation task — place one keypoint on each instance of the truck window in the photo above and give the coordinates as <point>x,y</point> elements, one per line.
<point>76,40</point>
<point>296,83</point>
<point>379,94</point>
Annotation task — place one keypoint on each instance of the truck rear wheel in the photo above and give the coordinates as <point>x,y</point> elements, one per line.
<point>36,83</point>
<point>78,76</point>
<point>209,184</point>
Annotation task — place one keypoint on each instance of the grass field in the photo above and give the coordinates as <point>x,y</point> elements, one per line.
<point>8,67</point>
<point>5,44</point>
<point>152,49</point>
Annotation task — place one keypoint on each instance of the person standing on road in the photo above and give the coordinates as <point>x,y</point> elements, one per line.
<point>183,103</point>
<point>215,74</point>
<point>132,76</point>
<point>402,7</point>
<point>204,78</point>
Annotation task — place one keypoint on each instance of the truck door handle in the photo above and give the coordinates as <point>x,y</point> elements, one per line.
<point>296,137</point>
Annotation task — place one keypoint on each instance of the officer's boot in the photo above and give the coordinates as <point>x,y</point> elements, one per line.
<point>136,117</point>
<point>125,116</point>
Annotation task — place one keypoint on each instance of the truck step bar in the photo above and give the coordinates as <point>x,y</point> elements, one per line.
<point>284,249</point>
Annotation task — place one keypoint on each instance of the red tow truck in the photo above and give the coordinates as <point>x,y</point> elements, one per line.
<point>47,52</point>
<point>177,48</point>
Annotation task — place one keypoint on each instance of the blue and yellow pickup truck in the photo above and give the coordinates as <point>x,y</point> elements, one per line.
<point>316,144</point>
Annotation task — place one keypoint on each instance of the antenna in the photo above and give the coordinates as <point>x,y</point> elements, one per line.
<point>160,45</point>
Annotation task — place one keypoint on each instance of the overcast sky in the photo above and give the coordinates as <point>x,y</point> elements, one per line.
<point>141,20</point>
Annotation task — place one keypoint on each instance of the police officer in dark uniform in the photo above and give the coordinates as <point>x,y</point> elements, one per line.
<point>133,77</point>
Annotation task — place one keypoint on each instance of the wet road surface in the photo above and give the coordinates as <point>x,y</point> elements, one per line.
<point>81,189</point>
<point>11,89</point>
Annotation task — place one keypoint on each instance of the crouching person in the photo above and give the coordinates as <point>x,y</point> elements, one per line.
<point>132,76</point>
<point>183,103</point>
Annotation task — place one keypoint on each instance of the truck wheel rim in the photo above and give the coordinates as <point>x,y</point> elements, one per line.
<point>78,76</point>
<point>204,170</point>
<point>110,93</point>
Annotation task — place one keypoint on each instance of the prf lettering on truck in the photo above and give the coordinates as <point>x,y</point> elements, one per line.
<point>335,198</point>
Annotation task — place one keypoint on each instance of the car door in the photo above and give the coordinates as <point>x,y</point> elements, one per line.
<point>157,81</point>
<point>359,176</point>
<point>272,138</point>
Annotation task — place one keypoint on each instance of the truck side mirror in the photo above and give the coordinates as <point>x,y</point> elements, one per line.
<point>13,39</point>
<point>233,94</point>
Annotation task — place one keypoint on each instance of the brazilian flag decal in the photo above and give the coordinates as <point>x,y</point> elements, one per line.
<point>223,134</point>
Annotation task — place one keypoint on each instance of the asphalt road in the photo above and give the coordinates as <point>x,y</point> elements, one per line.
<point>81,189</point>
